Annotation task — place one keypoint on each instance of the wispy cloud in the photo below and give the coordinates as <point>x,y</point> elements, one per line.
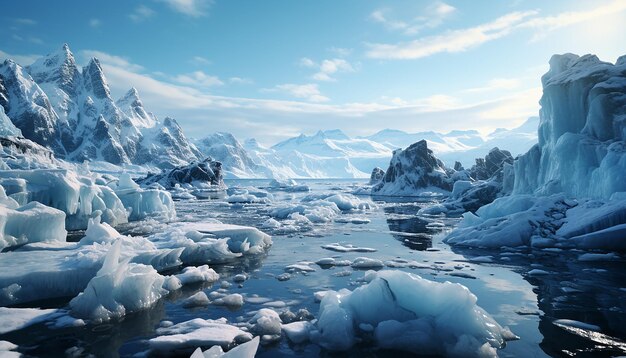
<point>23,60</point>
<point>464,39</point>
<point>200,61</point>
<point>25,21</point>
<point>193,8</point>
<point>109,59</point>
<point>240,80</point>
<point>141,13</point>
<point>95,23</point>
<point>199,79</point>
<point>309,92</point>
<point>497,84</point>
<point>432,16</point>
<point>326,69</point>
<point>451,41</point>
<point>340,51</point>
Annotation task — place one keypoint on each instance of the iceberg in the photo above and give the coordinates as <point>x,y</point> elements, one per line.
<point>445,320</point>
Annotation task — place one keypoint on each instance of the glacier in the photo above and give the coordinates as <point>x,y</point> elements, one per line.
<point>574,176</point>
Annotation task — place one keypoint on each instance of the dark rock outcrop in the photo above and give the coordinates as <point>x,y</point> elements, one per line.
<point>205,172</point>
<point>377,176</point>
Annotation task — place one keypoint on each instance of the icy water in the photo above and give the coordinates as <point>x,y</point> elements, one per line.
<point>590,292</point>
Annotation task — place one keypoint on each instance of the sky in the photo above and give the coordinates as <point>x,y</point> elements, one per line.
<point>273,69</point>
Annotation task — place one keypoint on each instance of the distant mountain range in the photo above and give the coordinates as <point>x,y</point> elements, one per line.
<point>70,110</point>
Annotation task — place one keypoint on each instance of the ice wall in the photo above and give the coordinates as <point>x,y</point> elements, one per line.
<point>582,132</point>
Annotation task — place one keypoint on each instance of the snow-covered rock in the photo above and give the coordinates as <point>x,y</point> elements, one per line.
<point>201,174</point>
<point>376,176</point>
<point>412,170</point>
<point>445,320</point>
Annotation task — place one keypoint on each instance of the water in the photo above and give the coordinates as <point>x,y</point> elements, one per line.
<point>589,292</point>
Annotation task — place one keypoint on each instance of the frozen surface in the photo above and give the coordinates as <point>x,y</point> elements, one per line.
<point>197,332</point>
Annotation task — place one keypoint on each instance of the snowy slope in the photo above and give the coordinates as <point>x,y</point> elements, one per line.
<point>236,162</point>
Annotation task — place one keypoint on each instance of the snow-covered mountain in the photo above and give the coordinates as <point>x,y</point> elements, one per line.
<point>235,159</point>
<point>71,111</point>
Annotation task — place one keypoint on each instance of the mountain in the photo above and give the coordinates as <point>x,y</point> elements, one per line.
<point>71,111</point>
<point>235,159</point>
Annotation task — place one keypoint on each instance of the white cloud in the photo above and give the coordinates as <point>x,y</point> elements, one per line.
<point>309,92</point>
<point>141,13</point>
<point>543,25</point>
<point>465,39</point>
<point>199,60</point>
<point>95,23</point>
<point>25,21</point>
<point>327,68</point>
<point>240,80</point>
<point>432,16</point>
<point>497,84</point>
<point>340,51</point>
<point>23,60</point>
<point>109,59</point>
<point>198,78</point>
<point>450,41</point>
<point>193,8</point>
<point>271,120</point>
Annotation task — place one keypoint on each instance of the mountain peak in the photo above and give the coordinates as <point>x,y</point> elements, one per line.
<point>95,80</point>
<point>131,97</point>
<point>57,67</point>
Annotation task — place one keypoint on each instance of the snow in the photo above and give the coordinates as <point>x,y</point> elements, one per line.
<point>366,263</point>
<point>118,288</point>
<point>197,332</point>
<point>444,321</point>
<point>233,300</point>
<point>346,248</point>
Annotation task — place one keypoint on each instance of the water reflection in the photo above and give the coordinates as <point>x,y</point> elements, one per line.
<point>589,292</point>
<point>405,226</point>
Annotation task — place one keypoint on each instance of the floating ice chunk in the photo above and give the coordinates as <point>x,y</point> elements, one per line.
<point>329,261</point>
<point>444,321</point>
<point>197,274</point>
<point>197,300</point>
<point>144,203</point>
<point>538,272</point>
<point>240,277</point>
<point>346,248</point>
<point>246,350</point>
<point>297,332</point>
<point>33,222</point>
<point>197,332</point>
<point>367,263</point>
<point>352,220</point>
<point>265,322</point>
<point>303,266</point>
<point>288,185</point>
<point>17,318</point>
<point>233,300</point>
<point>576,324</point>
<point>76,195</point>
<point>118,288</point>
<point>611,256</point>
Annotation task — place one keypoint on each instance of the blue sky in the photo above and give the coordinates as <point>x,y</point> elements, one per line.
<point>272,69</point>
